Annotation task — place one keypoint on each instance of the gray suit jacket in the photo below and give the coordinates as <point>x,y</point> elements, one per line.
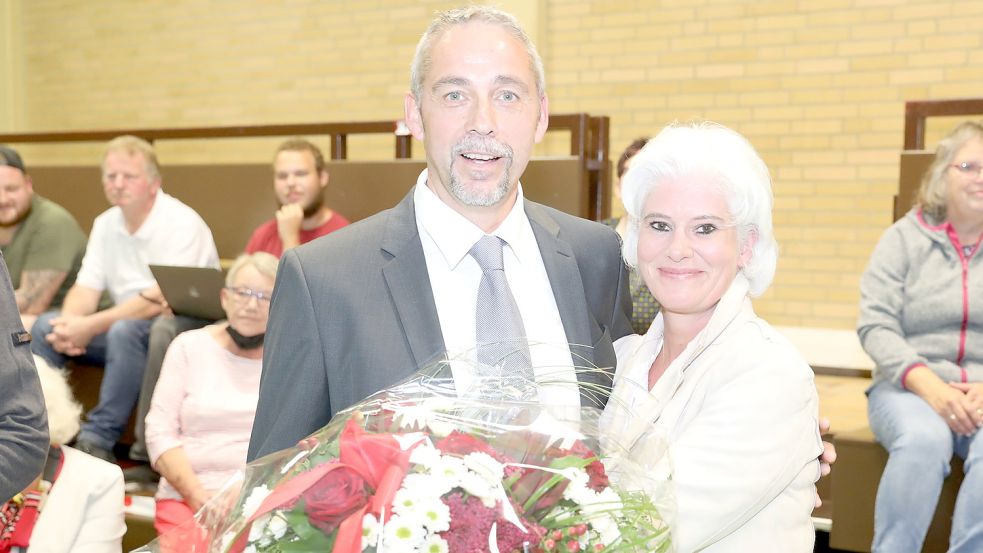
<point>23,419</point>
<point>353,313</point>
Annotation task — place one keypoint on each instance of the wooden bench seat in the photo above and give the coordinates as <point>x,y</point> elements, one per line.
<point>855,478</point>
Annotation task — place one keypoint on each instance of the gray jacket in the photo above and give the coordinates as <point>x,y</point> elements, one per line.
<point>921,302</point>
<point>23,419</point>
<point>353,313</point>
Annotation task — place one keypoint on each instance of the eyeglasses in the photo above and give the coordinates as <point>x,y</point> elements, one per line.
<point>969,168</point>
<point>243,294</point>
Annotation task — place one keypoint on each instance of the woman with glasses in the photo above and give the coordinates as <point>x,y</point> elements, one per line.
<point>202,409</point>
<point>921,320</point>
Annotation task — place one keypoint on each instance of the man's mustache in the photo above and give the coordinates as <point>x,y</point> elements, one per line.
<point>483,145</point>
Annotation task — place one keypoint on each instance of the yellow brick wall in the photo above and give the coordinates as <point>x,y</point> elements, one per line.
<point>818,87</point>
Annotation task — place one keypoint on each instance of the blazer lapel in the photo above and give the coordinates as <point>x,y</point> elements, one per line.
<point>409,285</point>
<point>568,291</point>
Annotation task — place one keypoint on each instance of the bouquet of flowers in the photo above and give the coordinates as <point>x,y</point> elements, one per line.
<point>421,467</point>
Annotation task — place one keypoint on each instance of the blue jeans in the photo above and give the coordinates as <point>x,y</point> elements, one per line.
<point>920,446</point>
<point>123,352</point>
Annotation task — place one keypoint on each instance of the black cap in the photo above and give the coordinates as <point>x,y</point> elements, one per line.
<point>10,157</point>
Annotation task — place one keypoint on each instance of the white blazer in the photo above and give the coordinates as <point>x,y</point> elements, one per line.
<point>740,410</point>
<point>84,511</point>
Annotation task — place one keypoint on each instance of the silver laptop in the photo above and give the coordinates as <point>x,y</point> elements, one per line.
<point>191,291</point>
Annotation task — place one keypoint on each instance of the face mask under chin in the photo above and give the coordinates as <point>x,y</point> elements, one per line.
<point>245,342</point>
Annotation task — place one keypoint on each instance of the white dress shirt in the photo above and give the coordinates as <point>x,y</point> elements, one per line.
<point>447,237</point>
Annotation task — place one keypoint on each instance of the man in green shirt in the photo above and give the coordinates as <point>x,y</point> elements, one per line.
<point>41,242</point>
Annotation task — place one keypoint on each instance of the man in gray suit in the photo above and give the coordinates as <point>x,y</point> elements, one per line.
<point>363,308</point>
<point>23,419</point>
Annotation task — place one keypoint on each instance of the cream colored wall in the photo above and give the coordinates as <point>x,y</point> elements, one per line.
<point>818,87</point>
<point>10,63</point>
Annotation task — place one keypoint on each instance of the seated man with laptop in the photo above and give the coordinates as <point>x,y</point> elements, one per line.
<point>299,179</point>
<point>144,225</point>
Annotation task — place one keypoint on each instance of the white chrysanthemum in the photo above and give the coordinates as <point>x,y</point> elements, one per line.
<point>480,488</point>
<point>402,534</point>
<point>254,500</point>
<point>249,549</point>
<point>441,426</point>
<point>451,468</point>
<point>611,499</point>
<point>278,525</point>
<point>370,531</point>
<point>406,500</point>
<point>606,528</point>
<point>425,454</point>
<point>422,415</point>
<point>485,465</point>
<point>607,501</point>
<point>434,514</point>
<point>428,485</point>
<point>577,490</point>
<point>412,416</point>
<point>259,532</point>
<point>257,529</point>
<point>435,544</point>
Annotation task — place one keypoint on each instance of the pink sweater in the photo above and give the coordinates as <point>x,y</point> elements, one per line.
<point>205,402</point>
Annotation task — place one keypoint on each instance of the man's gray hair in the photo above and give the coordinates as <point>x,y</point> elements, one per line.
<point>422,59</point>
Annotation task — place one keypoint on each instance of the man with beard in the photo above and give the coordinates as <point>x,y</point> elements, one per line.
<point>41,242</point>
<point>299,179</point>
<point>365,307</point>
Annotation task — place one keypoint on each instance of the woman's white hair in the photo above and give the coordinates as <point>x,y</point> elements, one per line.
<point>723,157</point>
<point>63,411</point>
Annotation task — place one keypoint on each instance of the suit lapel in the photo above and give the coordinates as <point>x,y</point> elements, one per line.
<point>568,291</point>
<point>409,284</point>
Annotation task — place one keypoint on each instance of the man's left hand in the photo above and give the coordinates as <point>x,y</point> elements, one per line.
<point>70,334</point>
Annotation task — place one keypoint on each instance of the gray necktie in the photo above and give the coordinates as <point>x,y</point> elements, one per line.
<point>503,352</point>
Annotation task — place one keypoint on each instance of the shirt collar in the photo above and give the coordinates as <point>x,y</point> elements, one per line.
<point>453,234</point>
<point>146,230</point>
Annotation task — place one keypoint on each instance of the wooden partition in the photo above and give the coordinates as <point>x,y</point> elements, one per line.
<point>914,163</point>
<point>235,198</point>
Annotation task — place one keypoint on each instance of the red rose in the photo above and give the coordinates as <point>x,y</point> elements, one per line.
<point>462,443</point>
<point>334,497</point>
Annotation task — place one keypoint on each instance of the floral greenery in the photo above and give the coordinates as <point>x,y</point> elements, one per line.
<point>414,470</point>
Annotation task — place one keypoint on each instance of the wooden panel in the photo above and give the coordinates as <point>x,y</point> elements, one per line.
<point>917,111</point>
<point>855,476</point>
<point>913,166</point>
<point>235,199</point>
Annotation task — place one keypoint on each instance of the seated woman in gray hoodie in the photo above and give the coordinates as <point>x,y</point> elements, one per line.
<point>921,320</point>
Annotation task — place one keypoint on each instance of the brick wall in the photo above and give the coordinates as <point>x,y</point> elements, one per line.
<point>818,88</point>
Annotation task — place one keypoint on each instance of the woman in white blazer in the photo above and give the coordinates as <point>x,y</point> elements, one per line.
<point>81,497</point>
<point>736,401</point>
